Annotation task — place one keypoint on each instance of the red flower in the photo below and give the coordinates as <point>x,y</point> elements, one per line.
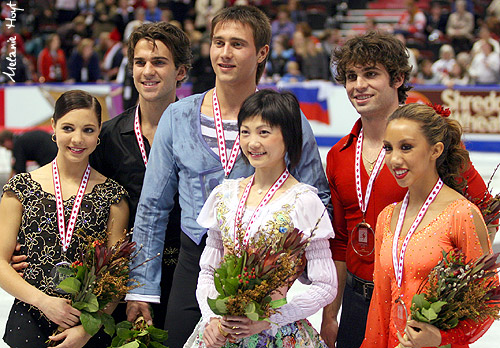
<point>444,112</point>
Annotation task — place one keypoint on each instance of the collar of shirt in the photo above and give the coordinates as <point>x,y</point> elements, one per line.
<point>356,129</point>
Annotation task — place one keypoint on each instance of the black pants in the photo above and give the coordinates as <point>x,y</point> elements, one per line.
<point>352,319</point>
<point>183,312</point>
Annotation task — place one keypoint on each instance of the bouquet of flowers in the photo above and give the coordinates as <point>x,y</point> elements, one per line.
<point>246,278</point>
<point>99,277</point>
<point>138,335</point>
<point>457,290</point>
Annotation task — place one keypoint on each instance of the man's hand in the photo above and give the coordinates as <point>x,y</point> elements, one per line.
<point>329,331</point>
<point>138,308</point>
<point>17,261</point>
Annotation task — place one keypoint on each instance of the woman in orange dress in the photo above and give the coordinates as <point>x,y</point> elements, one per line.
<point>424,153</point>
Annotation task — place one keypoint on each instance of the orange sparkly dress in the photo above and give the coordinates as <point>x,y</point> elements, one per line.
<point>452,228</point>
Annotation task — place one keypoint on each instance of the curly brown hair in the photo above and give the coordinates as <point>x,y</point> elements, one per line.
<point>455,158</point>
<point>370,49</point>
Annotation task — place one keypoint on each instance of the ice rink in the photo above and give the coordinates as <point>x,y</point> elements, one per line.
<point>484,163</point>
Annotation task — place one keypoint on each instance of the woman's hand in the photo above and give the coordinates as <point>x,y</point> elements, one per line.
<point>213,336</point>
<point>241,327</point>
<point>59,311</point>
<point>75,337</point>
<point>420,334</point>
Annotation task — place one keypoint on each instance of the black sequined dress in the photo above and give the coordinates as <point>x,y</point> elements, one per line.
<point>40,242</point>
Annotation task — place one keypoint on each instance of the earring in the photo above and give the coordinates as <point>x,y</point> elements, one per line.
<point>54,138</point>
<point>98,141</point>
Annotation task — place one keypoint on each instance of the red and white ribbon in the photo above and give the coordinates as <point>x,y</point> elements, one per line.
<point>363,205</point>
<point>138,136</point>
<point>66,235</point>
<point>227,164</point>
<point>241,206</point>
<point>398,265</point>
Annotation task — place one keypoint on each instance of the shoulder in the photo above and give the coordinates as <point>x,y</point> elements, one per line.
<point>111,190</point>
<point>118,121</point>
<point>187,103</point>
<point>19,184</point>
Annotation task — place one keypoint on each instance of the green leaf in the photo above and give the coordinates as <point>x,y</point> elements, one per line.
<point>221,306</point>
<point>70,285</point>
<point>125,333</point>
<point>429,313</point>
<point>117,341</point>
<point>92,303</point>
<point>252,316</point>
<point>91,322</point>
<point>157,334</point>
<point>420,301</point>
<point>142,345</point>
<point>81,272</point>
<point>109,324</point>
<point>66,271</point>
<point>419,317</point>
<point>124,325</point>
<point>212,304</point>
<point>453,322</point>
<point>436,306</point>
<point>133,344</point>
<point>218,284</point>
<point>154,344</point>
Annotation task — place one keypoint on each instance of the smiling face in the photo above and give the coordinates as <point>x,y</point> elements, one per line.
<point>369,90</point>
<point>154,71</point>
<point>76,134</point>
<point>409,156</point>
<point>262,144</point>
<point>233,53</point>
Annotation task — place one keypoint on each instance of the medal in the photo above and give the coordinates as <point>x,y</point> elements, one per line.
<point>399,315</point>
<point>362,235</point>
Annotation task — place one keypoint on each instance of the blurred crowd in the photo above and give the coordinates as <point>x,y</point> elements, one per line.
<point>450,42</point>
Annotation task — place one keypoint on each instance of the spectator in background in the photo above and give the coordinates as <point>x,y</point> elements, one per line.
<point>52,61</point>
<point>113,56</point>
<point>412,22</point>
<point>458,76</point>
<point>35,145</point>
<point>72,33</point>
<point>153,12</point>
<point>426,76</point>
<point>44,18</point>
<point>370,24</point>
<point>412,55</point>
<point>494,9</point>
<point>279,56</point>
<point>297,13</point>
<point>311,57</point>
<point>205,10</point>
<point>124,14</point>
<point>103,20</point>
<point>436,20</point>
<point>202,74</point>
<point>460,27</point>
<point>140,19</point>
<point>84,63</point>
<point>66,10</point>
<point>282,25</point>
<point>485,66</point>
<point>484,36</point>
<point>293,73</point>
<point>445,63</point>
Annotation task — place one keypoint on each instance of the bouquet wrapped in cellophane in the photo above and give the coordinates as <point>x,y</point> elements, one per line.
<point>457,290</point>
<point>248,276</point>
<point>99,277</point>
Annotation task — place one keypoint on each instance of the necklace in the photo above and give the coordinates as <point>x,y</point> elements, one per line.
<point>371,163</point>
